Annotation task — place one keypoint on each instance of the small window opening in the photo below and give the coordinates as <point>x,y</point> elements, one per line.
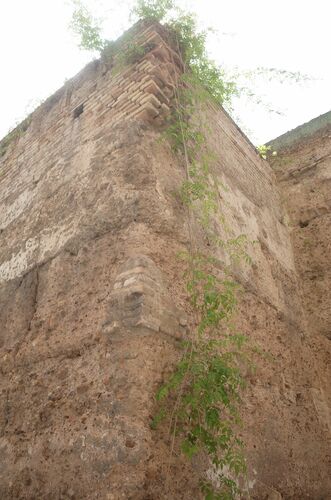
<point>78,111</point>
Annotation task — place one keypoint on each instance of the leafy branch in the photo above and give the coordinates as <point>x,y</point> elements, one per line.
<point>202,398</point>
<point>87,28</point>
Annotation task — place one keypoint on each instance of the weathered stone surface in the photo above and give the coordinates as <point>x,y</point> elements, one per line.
<point>140,300</point>
<point>303,169</point>
<point>93,303</point>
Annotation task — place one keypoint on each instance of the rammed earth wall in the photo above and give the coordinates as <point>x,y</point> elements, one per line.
<point>93,304</point>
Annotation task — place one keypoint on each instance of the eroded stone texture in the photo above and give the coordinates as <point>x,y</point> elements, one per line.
<point>303,169</point>
<point>93,302</point>
<point>140,301</point>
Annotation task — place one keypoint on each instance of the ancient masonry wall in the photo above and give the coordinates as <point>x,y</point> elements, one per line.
<point>92,300</point>
<point>303,170</point>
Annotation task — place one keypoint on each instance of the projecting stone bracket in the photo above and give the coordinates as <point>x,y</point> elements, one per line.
<point>140,301</point>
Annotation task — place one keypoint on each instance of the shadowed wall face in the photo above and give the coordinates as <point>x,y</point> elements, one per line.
<point>93,304</point>
<point>303,170</point>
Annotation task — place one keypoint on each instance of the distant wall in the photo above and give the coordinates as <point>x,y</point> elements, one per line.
<point>303,169</point>
<point>298,135</point>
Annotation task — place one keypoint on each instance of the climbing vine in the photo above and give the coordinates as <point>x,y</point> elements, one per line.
<point>265,151</point>
<point>201,400</point>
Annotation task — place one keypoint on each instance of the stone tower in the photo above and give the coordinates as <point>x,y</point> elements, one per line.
<point>92,299</point>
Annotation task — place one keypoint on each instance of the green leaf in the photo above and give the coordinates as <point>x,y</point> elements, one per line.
<point>162,393</point>
<point>189,449</point>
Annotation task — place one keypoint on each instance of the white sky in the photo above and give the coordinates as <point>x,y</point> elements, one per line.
<point>38,52</point>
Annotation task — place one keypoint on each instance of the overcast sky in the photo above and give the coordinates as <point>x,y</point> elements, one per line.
<point>38,52</point>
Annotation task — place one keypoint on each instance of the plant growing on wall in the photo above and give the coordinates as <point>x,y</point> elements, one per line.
<point>14,135</point>
<point>87,28</point>
<point>265,151</point>
<point>204,391</point>
<point>152,10</point>
<point>202,398</point>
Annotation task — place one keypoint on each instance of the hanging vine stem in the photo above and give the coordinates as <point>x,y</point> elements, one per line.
<point>201,399</point>
<point>173,417</point>
<point>207,380</point>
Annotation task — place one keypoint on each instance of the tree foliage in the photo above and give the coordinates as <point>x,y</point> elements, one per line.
<point>155,10</point>
<point>87,28</point>
<point>223,84</point>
